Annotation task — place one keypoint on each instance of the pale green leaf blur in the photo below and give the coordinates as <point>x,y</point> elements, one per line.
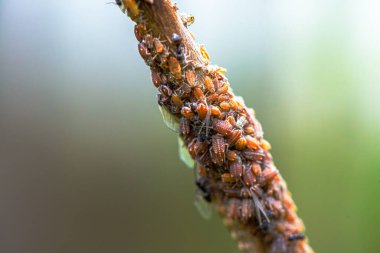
<point>88,166</point>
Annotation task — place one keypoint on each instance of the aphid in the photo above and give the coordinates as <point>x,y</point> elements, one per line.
<point>148,39</point>
<point>252,143</point>
<point>299,236</point>
<point>198,93</point>
<point>246,209</point>
<point>202,111</point>
<point>222,127</point>
<point>223,89</point>
<point>176,39</point>
<point>191,79</point>
<point>218,149</point>
<point>186,111</point>
<point>241,143</point>
<point>233,104</point>
<point>205,55</point>
<point>255,155</point>
<point>249,129</point>
<point>171,121</point>
<point>231,155</point>
<point>140,31</point>
<point>144,52</point>
<point>222,98</point>
<point>268,175</point>
<point>236,168</point>
<point>187,19</point>
<point>175,67</point>
<point>241,122</point>
<point>256,168</point>
<point>233,137</point>
<point>156,77</point>
<point>212,98</point>
<point>224,106</point>
<point>209,84</point>
<point>214,110</point>
<point>176,100</point>
<point>227,178</point>
<point>184,126</point>
<point>158,46</point>
<point>249,178</point>
<point>184,154</point>
<point>233,209</point>
<point>165,90</point>
<point>265,145</point>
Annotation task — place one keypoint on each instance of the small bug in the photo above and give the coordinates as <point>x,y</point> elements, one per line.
<point>265,145</point>
<point>175,67</point>
<point>252,143</point>
<point>234,136</point>
<point>158,46</point>
<point>209,84</point>
<point>231,155</point>
<point>249,178</point>
<point>233,208</point>
<point>246,209</point>
<point>176,100</point>
<point>215,110</point>
<point>233,104</point>
<point>224,106</point>
<point>185,127</point>
<point>205,55</point>
<point>236,168</point>
<point>223,89</point>
<point>176,39</point>
<point>223,97</point>
<point>140,31</point>
<point>227,178</point>
<point>165,90</point>
<point>293,237</point>
<point>187,19</point>
<point>212,98</point>
<point>241,122</point>
<point>156,77</point>
<point>222,127</point>
<point>191,79</point>
<point>241,143</point>
<point>144,52</point>
<point>255,155</point>
<point>198,93</point>
<point>202,111</point>
<point>267,175</point>
<point>218,149</point>
<point>186,111</point>
<point>249,129</point>
<point>148,40</point>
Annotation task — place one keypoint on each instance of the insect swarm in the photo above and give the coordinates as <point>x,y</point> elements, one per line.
<point>219,135</point>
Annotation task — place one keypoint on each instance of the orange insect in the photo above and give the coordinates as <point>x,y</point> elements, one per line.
<point>198,93</point>
<point>156,77</point>
<point>175,67</point>
<point>236,168</point>
<point>225,106</point>
<point>144,52</point>
<point>209,84</point>
<point>231,155</point>
<point>202,111</point>
<point>218,149</point>
<point>227,178</point>
<point>215,110</point>
<point>186,111</point>
<point>265,145</point>
<point>222,127</point>
<point>191,79</point>
<point>158,46</point>
<point>177,100</point>
<point>249,178</point>
<point>140,31</point>
<point>234,136</point>
<point>241,143</point>
<point>252,143</point>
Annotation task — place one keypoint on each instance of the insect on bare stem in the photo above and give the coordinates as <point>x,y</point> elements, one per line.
<point>217,133</point>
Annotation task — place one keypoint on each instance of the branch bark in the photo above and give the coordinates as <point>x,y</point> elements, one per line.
<point>235,169</point>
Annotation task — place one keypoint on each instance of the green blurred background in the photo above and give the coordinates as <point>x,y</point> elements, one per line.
<point>87,165</point>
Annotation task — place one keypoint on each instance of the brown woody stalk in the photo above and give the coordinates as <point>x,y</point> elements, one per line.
<point>236,171</point>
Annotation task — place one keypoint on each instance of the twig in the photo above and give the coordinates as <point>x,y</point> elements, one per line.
<point>235,169</point>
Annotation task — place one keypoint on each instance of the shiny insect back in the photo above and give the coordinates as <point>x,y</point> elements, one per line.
<point>219,134</point>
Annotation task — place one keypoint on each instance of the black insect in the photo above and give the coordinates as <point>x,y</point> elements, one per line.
<point>176,39</point>
<point>299,236</point>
